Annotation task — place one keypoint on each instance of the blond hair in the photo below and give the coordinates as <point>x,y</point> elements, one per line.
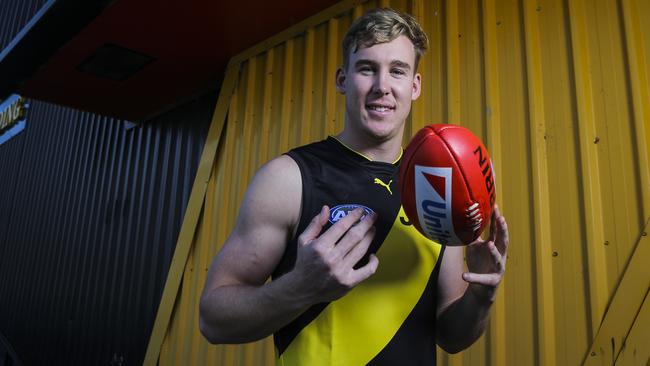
<point>380,26</point>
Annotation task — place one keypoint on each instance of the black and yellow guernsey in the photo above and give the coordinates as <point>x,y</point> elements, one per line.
<point>389,319</point>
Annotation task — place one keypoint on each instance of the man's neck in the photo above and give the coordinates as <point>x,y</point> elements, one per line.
<point>386,151</point>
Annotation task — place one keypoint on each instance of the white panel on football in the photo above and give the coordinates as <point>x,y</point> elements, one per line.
<point>434,210</point>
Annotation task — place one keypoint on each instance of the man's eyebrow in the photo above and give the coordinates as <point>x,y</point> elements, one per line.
<point>394,63</point>
<point>401,64</point>
<point>364,62</point>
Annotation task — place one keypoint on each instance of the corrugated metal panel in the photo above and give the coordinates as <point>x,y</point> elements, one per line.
<point>558,89</point>
<point>15,14</point>
<point>89,217</point>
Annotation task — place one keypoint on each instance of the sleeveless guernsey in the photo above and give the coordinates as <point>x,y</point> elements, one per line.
<point>389,319</point>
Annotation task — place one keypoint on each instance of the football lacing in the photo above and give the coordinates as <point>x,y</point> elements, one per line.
<point>473,214</point>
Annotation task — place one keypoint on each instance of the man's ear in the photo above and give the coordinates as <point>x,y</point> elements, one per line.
<point>417,86</point>
<point>340,80</point>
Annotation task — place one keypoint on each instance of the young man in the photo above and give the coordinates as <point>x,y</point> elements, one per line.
<point>353,282</point>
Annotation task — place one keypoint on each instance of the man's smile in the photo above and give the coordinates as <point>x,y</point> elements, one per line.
<point>380,108</point>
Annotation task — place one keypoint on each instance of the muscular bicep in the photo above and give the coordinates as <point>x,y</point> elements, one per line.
<point>451,285</point>
<point>268,214</point>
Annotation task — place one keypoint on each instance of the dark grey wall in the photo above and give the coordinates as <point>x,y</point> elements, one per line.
<point>90,212</point>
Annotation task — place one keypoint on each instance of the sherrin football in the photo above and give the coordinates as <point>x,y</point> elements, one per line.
<point>447,184</point>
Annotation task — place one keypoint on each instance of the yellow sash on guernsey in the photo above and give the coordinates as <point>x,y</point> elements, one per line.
<point>355,328</point>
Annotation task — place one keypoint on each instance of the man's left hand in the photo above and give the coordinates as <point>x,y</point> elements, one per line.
<point>486,259</point>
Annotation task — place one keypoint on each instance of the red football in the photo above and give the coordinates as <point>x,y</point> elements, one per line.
<point>447,184</point>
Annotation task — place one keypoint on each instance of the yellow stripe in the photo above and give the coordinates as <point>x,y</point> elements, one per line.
<point>401,151</point>
<point>355,328</point>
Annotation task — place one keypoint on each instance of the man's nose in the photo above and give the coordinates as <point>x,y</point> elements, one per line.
<point>381,84</point>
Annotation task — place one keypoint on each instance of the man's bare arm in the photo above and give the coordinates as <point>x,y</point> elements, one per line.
<point>465,298</point>
<point>237,306</point>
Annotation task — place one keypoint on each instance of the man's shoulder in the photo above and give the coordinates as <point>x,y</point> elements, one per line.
<point>313,147</point>
<point>274,193</point>
<point>315,152</point>
<point>279,168</point>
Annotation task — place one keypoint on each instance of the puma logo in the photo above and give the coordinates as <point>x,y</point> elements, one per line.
<point>387,186</point>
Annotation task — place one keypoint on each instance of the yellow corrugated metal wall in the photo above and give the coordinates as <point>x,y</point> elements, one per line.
<point>558,89</point>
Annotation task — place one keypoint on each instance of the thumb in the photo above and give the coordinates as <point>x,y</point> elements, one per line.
<point>315,226</point>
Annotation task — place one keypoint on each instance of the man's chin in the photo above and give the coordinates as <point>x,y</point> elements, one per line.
<point>381,135</point>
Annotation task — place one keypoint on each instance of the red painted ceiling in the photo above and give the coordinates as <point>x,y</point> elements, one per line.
<point>191,40</point>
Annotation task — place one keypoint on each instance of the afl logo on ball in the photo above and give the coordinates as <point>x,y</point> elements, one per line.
<point>340,211</point>
<point>433,200</point>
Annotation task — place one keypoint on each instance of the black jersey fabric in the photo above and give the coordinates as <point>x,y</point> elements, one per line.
<point>388,319</point>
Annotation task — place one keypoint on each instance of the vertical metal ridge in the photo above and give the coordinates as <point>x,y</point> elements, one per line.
<point>593,207</point>
<point>49,324</point>
<point>267,105</point>
<point>541,194</point>
<point>229,185</point>
<point>616,127</point>
<point>134,295</point>
<point>92,271</point>
<point>321,81</point>
<point>61,325</point>
<point>452,51</point>
<point>288,101</point>
<point>143,300</point>
<point>471,83</point>
<point>638,68</point>
<point>11,163</point>
<point>492,120</point>
<point>67,230</point>
<point>416,117</point>
<point>80,273</point>
<point>26,253</point>
<point>112,225</point>
<point>249,115</point>
<point>307,87</point>
<point>195,286</point>
<point>331,65</point>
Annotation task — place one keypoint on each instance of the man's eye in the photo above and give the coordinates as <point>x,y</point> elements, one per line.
<point>365,70</point>
<point>399,72</point>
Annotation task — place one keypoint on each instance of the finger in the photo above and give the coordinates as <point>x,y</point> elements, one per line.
<point>366,271</point>
<point>336,231</point>
<point>355,235</point>
<point>476,243</point>
<point>358,249</point>
<point>493,230</point>
<point>496,255</point>
<point>314,228</point>
<point>485,279</point>
<point>504,236</point>
<point>497,211</point>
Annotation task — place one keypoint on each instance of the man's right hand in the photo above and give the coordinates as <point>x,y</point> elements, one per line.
<point>324,269</point>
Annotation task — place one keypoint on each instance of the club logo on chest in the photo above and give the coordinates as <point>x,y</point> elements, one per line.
<point>340,211</point>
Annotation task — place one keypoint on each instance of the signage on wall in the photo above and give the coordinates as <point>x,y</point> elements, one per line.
<point>13,112</point>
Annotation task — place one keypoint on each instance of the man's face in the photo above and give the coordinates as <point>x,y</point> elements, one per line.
<point>379,85</point>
